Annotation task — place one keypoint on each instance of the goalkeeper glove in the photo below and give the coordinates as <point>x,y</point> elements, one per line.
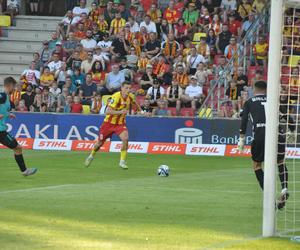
<point>241,144</point>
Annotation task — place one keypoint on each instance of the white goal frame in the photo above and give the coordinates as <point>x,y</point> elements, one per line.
<point>277,15</point>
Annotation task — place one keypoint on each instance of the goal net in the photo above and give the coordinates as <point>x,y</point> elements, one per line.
<point>288,220</point>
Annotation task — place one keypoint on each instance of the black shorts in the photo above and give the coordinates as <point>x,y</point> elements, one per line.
<point>7,140</point>
<point>258,149</point>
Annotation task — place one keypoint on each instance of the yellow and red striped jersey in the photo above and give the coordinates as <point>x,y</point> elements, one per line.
<point>118,103</point>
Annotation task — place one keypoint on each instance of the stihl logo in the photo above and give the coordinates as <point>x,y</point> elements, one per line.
<point>166,148</point>
<point>236,151</point>
<point>130,146</point>
<point>53,144</point>
<point>85,145</point>
<point>213,150</point>
<point>293,153</point>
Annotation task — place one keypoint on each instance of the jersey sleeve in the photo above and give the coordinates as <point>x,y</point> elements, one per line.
<point>245,115</point>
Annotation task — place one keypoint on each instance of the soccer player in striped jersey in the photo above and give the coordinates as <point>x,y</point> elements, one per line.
<point>5,138</point>
<point>115,123</point>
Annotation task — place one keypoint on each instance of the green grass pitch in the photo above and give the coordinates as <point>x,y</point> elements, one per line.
<point>206,203</point>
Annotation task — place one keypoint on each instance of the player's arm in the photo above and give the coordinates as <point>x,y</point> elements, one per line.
<point>112,111</point>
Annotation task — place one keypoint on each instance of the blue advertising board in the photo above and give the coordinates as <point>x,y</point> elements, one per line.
<point>143,129</point>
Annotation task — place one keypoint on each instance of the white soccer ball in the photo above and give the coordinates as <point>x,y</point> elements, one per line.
<point>163,171</point>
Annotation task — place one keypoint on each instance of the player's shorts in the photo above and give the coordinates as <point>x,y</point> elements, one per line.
<point>7,140</point>
<point>258,149</point>
<point>107,130</point>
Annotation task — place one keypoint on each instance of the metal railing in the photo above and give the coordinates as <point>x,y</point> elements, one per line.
<point>242,58</point>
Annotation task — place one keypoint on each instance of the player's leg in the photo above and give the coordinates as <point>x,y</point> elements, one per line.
<point>124,138</point>
<point>7,140</point>
<point>104,133</point>
<point>257,151</point>
<point>282,174</point>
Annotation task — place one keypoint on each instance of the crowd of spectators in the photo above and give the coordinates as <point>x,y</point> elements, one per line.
<point>171,52</point>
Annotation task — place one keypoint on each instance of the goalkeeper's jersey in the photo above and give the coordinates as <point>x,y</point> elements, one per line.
<point>4,111</point>
<point>254,108</point>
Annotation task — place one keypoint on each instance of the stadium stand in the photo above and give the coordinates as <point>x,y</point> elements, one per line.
<point>147,45</point>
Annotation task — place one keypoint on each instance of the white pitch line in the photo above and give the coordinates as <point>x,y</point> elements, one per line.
<point>231,243</point>
<point>37,188</point>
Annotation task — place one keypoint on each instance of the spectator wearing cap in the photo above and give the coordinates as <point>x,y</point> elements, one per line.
<point>78,10</point>
<point>86,65</point>
<point>148,24</point>
<point>193,60</point>
<point>155,92</point>
<point>134,26</point>
<point>223,39</point>
<point>152,47</point>
<point>193,94</point>
<point>55,64</point>
<point>47,78</point>
<point>154,13</point>
<point>113,81</point>
<point>120,46</point>
<point>147,79</point>
<point>229,4</point>
<point>117,24</point>
<point>70,44</point>
<point>88,90</point>
<point>60,51</point>
<point>88,43</point>
<point>74,61</point>
<point>32,75</point>
<point>45,53</point>
<point>191,15</point>
<point>170,48</point>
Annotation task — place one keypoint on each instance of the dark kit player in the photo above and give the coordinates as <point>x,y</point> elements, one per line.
<point>5,138</point>
<point>254,108</point>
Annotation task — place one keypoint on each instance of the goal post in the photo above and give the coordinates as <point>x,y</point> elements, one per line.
<point>272,114</point>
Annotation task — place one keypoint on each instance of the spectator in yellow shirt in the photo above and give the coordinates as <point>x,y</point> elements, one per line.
<point>47,78</point>
<point>244,9</point>
<point>117,24</point>
<point>261,51</point>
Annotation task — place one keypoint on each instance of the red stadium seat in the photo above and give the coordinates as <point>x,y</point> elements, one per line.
<point>173,111</point>
<point>187,112</point>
